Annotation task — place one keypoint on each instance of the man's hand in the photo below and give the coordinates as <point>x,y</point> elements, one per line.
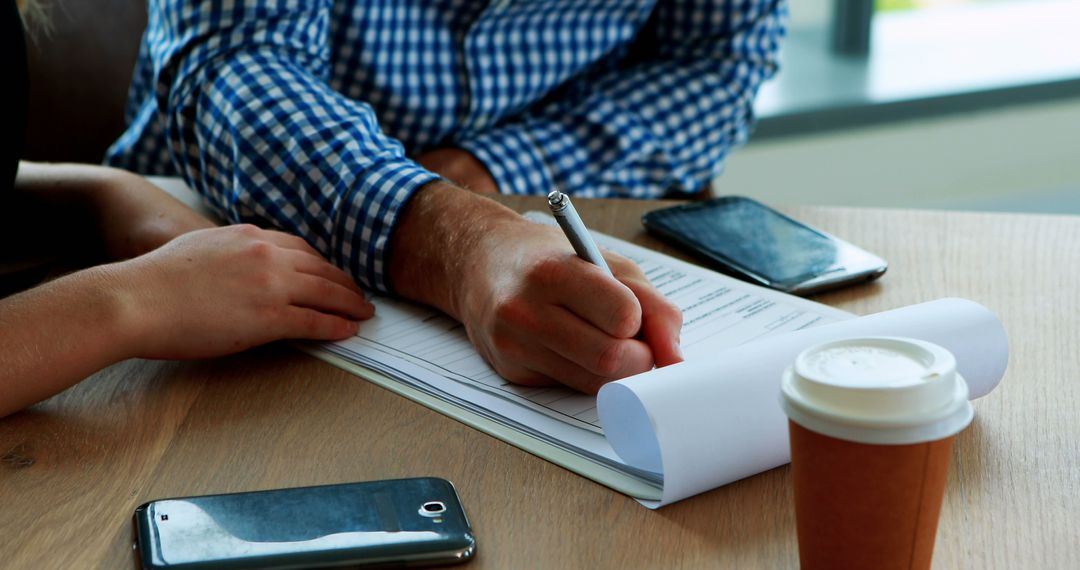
<point>535,311</point>
<point>461,168</point>
<point>553,317</point>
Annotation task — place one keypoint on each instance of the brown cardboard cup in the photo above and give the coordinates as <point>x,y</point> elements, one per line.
<point>872,425</point>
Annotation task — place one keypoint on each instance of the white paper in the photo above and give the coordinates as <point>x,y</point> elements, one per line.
<point>708,422</point>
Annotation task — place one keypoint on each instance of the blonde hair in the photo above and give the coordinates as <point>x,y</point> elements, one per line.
<point>35,16</point>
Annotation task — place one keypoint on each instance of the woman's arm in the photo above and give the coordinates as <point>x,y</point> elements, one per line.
<point>206,293</point>
<point>96,213</point>
<point>187,291</point>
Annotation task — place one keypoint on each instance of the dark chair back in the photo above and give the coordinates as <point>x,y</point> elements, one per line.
<point>79,75</point>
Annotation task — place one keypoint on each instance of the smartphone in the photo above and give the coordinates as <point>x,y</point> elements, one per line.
<point>747,239</point>
<point>403,522</point>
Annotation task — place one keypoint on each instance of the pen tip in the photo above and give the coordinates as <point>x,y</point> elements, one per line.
<point>554,197</point>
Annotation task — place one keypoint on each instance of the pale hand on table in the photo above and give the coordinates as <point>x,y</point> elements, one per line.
<point>218,291</point>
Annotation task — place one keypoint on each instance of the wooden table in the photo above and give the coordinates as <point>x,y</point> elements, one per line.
<point>74,467</point>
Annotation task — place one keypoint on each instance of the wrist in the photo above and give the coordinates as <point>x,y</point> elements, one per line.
<point>100,312</point>
<point>440,242</point>
<point>119,291</point>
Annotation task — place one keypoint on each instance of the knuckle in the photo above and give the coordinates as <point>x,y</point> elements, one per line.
<point>249,230</point>
<point>511,312</point>
<point>670,311</point>
<point>626,320</point>
<point>310,323</point>
<point>610,360</point>
<point>296,241</point>
<point>346,328</point>
<point>546,271</point>
<point>620,264</point>
<point>260,251</point>
<point>504,344</point>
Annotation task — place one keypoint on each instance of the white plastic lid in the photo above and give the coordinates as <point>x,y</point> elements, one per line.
<point>877,390</point>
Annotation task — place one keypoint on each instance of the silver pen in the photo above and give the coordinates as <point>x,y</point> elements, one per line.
<point>575,230</point>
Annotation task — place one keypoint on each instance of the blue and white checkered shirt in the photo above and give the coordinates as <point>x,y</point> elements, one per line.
<point>302,114</point>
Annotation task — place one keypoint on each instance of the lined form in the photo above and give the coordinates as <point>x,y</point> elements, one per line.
<point>718,312</point>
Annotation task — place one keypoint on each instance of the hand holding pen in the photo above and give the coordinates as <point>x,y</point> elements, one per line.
<point>536,312</point>
<point>582,242</point>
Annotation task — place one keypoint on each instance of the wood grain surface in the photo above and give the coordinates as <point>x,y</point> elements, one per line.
<point>73,468</point>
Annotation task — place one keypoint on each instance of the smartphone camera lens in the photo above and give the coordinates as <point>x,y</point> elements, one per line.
<point>432,508</point>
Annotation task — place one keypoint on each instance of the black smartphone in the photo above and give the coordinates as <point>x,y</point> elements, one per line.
<point>749,240</point>
<point>402,522</point>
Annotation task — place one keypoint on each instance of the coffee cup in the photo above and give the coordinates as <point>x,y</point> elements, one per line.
<point>871,423</point>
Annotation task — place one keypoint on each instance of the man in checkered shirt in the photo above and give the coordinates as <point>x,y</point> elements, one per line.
<point>359,125</point>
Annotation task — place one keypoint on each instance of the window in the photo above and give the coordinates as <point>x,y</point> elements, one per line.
<point>882,6</point>
<point>918,58</point>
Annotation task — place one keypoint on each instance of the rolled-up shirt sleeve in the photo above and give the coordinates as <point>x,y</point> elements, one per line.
<point>660,121</point>
<point>253,125</point>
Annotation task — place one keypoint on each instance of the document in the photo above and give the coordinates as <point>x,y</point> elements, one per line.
<point>669,433</point>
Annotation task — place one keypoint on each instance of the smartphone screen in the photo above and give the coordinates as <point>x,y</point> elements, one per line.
<point>404,521</point>
<point>753,241</point>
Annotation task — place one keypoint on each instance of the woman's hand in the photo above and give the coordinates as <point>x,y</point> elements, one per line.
<point>222,290</point>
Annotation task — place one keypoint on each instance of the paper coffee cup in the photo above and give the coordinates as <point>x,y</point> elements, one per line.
<point>872,423</point>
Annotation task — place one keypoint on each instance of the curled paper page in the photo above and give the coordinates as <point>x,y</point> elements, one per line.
<point>715,420</point>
